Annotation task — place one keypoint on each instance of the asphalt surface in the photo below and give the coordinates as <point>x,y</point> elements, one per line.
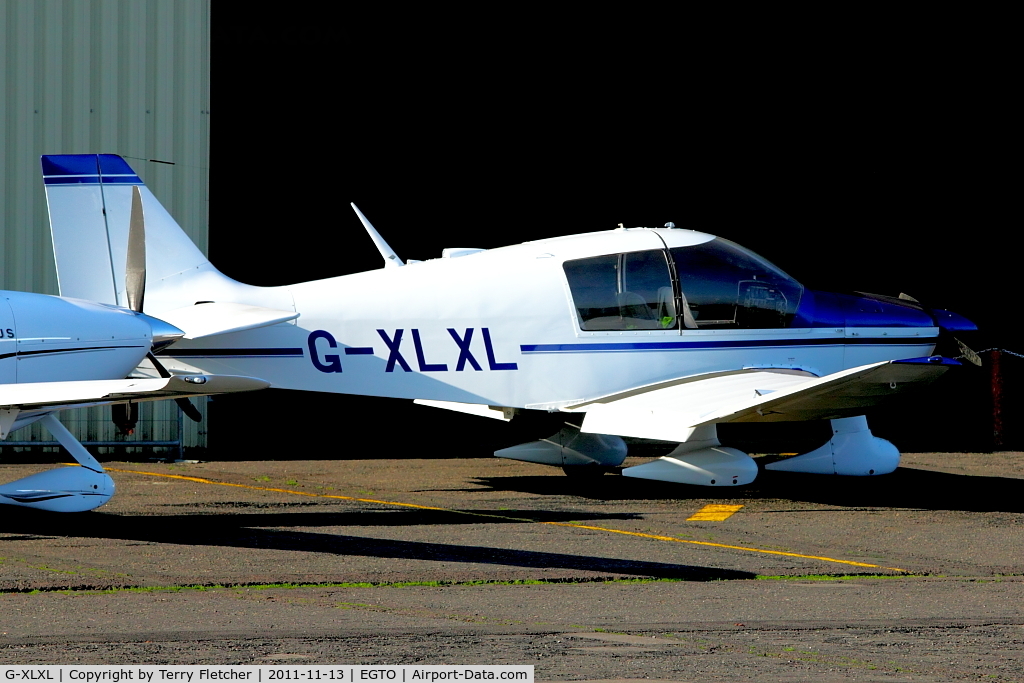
<point>915,576</point>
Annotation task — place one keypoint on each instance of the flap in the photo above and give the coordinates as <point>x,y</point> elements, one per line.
<point>206,320</point>
<point>671,413</point>
<point>56,395</point>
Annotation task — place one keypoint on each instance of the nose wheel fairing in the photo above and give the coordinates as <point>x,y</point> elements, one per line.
<point>852,451</point>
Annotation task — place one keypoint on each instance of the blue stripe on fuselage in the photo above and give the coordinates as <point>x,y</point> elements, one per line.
<point>234,353</point>
<point>609,347</point>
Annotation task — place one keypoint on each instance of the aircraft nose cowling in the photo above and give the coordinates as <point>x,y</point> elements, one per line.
<point>952,322</point>
<point>831,309</point>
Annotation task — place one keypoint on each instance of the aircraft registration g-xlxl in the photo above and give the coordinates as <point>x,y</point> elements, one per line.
<point>652,333</point>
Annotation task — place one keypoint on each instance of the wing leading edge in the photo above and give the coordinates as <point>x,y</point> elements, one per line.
<point>59,395</point>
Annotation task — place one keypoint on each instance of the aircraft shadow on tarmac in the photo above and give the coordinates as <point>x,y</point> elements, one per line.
<point>904,488</point>
<point>392,517</point>
<point>240,531</point>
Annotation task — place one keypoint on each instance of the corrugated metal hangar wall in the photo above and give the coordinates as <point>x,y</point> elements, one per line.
<point>127,77</point>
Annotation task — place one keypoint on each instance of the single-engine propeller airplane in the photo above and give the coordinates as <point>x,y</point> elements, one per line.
<point>657,333</point>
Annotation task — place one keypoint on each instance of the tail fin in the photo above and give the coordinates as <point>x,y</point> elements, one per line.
<point>89,197</point>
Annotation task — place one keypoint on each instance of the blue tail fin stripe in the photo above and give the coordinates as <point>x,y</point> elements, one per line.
<point>92,180</point>
<point>89,169</point>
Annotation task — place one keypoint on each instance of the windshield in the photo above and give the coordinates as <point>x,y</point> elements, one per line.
<point>726,286</point>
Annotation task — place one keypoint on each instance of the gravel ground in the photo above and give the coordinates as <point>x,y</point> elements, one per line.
<point>492,561</point>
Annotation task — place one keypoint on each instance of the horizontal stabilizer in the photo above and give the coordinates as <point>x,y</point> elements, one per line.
<point>672,410</point>
<point>209,319</point>
<point>58,395</point>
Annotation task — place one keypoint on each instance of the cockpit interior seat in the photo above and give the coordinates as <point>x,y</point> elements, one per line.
<point>632,305</point>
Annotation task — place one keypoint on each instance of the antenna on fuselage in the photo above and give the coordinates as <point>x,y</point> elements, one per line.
<point>390,257</point>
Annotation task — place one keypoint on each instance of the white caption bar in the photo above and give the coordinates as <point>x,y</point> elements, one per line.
<point>109,673</point>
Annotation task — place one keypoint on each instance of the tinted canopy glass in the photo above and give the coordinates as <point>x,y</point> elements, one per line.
<point>725,285</point>
<point>631,291</point>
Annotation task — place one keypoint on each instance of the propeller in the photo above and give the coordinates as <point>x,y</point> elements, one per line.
<point>135,266</point>
<point>967,353</point>
<point>946,339</point>
<point>135,288</point>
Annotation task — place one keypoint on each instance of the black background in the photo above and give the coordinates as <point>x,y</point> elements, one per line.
<point>857,153</point>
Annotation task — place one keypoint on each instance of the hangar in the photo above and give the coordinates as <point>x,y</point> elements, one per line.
<point>129,78</point>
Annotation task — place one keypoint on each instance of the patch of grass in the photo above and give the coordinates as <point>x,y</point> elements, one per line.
<point>291,482</point>
<point>345,584</point>
<point>261,478</point>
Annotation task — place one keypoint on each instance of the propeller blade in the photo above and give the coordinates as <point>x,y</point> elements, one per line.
<point>967,353</point>
<point>135,267</point>
<point>158,365</point>
<point>186,405</point>
<point>190,410</point>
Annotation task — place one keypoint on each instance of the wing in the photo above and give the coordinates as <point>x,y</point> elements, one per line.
<point>58,395</point>
<point>670,411</point>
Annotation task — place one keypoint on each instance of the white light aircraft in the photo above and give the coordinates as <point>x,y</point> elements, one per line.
<point>58,353</point>
<point>636,332</point>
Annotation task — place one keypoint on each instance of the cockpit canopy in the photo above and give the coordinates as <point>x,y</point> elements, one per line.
<point>714,285</point>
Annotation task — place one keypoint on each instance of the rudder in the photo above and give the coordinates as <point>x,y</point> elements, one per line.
<point>89,199</point>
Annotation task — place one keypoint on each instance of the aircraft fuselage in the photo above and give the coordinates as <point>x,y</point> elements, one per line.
<point>552,322</point>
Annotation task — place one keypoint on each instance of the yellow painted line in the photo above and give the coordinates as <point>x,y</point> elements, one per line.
<point>714,513</point>
<point>722,545</point>
<point>671,539</point>
<point>201,480</point>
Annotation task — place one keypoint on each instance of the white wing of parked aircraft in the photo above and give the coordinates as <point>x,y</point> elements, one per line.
<point>50,396</point>
<point>654,333</point>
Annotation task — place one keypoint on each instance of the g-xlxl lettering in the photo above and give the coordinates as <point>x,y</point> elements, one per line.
<point>331,362</point>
